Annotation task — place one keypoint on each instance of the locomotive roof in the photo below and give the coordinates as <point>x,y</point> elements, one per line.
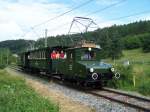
<point>83,48</point>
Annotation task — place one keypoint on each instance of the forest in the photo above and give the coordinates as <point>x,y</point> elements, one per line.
<point>111,39</point>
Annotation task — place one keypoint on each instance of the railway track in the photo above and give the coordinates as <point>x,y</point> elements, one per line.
<point>128,100</point>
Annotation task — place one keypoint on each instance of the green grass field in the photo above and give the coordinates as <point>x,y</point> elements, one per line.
<point>139,68</point>
<point>16,96</point>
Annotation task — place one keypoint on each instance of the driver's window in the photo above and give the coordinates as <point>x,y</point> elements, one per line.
<point>88,55</point>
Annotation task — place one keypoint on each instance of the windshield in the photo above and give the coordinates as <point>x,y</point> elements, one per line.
<point>88,55</point>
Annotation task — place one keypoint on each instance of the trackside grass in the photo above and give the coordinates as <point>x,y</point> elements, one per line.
<point>135,77</point>
<point>16,96</point>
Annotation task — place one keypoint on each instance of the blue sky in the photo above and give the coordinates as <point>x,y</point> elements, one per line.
<point>18,16</point>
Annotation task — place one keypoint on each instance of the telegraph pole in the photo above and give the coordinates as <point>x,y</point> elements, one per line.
<point>7,56</point>
<point>1,58</point>
<point>46,37</point>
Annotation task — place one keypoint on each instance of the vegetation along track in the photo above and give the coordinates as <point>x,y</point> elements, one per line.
<point>137,102</point>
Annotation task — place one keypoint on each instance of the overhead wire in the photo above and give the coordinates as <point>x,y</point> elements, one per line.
<point>62,14</point>
<point>127,16</point>
<point>85,3</point>
<point>107,7</point>
<point>91,13</point>
<point>97,11</point>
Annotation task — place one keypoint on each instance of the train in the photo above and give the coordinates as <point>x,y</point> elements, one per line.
<point>80,64</point>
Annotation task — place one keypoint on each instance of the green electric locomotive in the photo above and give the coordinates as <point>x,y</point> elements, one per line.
<point>80,64</point>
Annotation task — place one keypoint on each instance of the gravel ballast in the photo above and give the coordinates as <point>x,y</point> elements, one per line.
<point>95,103</point>
<point>99,104</point>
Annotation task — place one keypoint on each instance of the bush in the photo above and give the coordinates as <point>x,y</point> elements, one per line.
<point>2,66</point>
<point>125,80</point>
<point>131,42</point>
<point>146,43</point>
<point>144,87</point>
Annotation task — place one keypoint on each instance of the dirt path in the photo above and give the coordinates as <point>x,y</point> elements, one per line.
<point>64,102</point>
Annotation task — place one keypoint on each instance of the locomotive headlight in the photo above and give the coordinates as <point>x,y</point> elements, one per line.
<point>89,48</point>
<point>112,69</point>
<point>91,69</point>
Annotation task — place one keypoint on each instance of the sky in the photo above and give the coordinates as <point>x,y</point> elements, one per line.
<point>27,19</point>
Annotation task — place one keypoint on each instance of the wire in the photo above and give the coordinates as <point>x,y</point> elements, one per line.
<point>97,11</point>
<point>134,14</point>
<point>85,3</point>
<point>111,5</point>
<point>75,8</point>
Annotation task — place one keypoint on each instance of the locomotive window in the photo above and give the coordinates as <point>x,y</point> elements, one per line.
<point>88,55</point>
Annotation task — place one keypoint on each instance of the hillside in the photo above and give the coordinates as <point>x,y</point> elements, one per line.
<point>139,60</point>
<point>114,38</point>
<point>16,46</point>
<point>135,56</point>
<point>139,71</point>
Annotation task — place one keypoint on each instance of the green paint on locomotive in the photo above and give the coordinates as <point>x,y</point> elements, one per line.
<point>80,63</point>
<point>76,66</point>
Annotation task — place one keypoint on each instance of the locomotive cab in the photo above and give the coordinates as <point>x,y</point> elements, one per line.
<point>93,69</point>
<point>83,63</point>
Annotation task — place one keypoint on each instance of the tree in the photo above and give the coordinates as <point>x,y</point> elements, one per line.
<point>116,46</point>
<point>146,43</point>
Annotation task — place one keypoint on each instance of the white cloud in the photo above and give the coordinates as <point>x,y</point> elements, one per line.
<point>9,30</point>
<point>18,17</point>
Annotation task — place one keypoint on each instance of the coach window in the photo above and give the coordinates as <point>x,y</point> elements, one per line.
<point>36,55</point>
<point>44,55</point>
<point>33,56</point>
<point>41,55</point>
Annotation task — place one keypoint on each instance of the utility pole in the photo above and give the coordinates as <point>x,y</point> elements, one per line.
<point>7,56</point>
<point>46,37</point>
<point>1,58</point>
